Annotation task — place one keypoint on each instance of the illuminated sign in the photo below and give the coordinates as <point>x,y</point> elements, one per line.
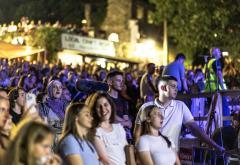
<point>88,45</point>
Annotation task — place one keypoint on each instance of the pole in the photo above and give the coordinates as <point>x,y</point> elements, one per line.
<point>45,56</point>
<point>165,43</point>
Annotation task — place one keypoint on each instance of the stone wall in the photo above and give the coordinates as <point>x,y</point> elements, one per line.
<point>117,19</point>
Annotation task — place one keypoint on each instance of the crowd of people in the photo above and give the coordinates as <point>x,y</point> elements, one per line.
<point>45,119</point>
<point>26,26</point>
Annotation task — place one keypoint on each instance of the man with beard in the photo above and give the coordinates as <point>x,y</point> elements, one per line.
<point>116,84</point>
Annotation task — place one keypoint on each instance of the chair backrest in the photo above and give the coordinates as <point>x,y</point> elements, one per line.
<point>207,156</point>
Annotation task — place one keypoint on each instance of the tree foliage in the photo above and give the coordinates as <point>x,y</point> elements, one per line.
<point>199,24</point>
<point>48,38</point>
<point>64,11</point>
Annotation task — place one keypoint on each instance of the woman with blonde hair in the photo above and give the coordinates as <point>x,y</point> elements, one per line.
<point>110,138</point>
<point>31,145</point>
<point>74,146</point>
<point>153,147</point>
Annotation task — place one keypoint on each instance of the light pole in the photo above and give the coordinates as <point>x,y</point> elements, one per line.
<point>165,43</point>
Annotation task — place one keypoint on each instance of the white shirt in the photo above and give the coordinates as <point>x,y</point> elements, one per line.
<point>157,146</point>
<point>114,142</point>
<point>176,114</point>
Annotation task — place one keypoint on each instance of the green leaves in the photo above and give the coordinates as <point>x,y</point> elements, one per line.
<point>65,11</point>
<point>48,38</point>
<point>198,24</point>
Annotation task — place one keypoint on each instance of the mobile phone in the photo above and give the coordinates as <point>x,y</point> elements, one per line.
<point>31,102</point>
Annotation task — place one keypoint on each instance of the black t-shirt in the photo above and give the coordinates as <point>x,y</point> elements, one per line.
<point>121,106</point>
<point>15,117</point>
<point>229,137</point>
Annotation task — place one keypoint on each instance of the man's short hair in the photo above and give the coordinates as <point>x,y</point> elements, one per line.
<point>150,64</point>
<point>212,49</point>
<point>165,78</point>
<point>113,74</point>
<point>180,56</point>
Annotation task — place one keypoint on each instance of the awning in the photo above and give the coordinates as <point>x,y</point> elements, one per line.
<point>14,51</point>
<point>119,59</point>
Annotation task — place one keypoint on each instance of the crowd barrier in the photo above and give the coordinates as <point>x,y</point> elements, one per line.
<point>191,151</point>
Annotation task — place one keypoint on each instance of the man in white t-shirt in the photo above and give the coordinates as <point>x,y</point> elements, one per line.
<point>175,114</point>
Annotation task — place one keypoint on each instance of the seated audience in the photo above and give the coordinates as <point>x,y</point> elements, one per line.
<point>110,138</point>
<point>74,146</point>
<point>31,144</point>
<point>153,147</point>
<point>227,135</point>
<point>5,119</point>
<point>53,109</point>
<point>17,98</point>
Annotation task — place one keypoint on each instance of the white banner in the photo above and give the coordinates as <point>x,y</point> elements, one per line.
<point>88,45</point>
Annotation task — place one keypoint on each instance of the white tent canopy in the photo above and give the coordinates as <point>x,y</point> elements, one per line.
<point>14,51</point>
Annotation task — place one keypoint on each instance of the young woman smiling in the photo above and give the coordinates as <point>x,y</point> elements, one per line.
<point>110,138</point>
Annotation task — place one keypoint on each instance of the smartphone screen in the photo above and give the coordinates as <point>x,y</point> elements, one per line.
<point>31,102</point>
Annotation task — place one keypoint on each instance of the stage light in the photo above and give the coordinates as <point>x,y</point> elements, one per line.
<point>84,21</point>
<point>113,37</point>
